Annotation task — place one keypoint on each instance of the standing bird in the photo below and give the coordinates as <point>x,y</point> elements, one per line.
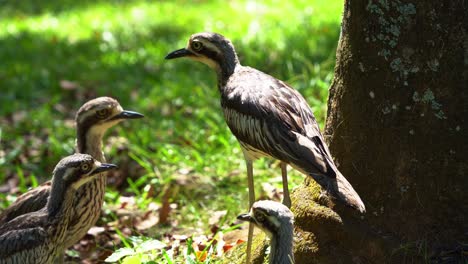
<point>276,220</point>
<point>38,237</point>
<point>93,119</point>
<point>268,118</point>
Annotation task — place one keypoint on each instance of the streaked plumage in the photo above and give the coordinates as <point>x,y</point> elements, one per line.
<point>38,237</point>
<point>268,117</point>
<point>277,221</point>
<point>92,121</point>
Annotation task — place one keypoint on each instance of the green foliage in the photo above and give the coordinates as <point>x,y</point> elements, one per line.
<point>58,54</point>
<point>142,250</point>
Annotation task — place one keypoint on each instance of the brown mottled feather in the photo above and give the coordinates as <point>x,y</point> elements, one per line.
<point>268,117</point>
<point>38,237</point>
<point>90,196</point>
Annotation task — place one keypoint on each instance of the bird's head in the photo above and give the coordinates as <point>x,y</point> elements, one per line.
<point>270,216</point>
<point>102,113</point>
<point>77,169</point>
<point>95,117</point>
<point>212,49</point>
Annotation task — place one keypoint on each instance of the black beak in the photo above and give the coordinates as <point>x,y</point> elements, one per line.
<point>245,217</point>
<point>127,115</point>
<point>179,53</point>
<point>104,167</point>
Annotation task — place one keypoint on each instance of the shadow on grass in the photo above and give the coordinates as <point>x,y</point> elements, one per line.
<point>34,65</point>
<point>34,96</point>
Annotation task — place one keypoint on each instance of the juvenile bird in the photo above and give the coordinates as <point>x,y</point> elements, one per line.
<point>276,220</point>
<point>93,119</point>
<point>268,118</point>
<point>38,237</point>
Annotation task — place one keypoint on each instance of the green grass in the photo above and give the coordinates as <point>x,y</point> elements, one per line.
<point>117,48</point>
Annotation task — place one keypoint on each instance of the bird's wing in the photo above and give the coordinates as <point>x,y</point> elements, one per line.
<point>25,221</point>
<point>24,232</point>
<point>31,201</point>
<point>14,241</point>
<point>271,116</point>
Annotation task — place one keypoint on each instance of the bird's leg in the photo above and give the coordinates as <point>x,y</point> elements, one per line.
<point>251,201</point>
<point>284,174</point>
<point>250,183</point>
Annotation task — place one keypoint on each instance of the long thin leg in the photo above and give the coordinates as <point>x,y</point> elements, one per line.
<point>284,174</point>
<point>251,201</point>
<point>250,183</point>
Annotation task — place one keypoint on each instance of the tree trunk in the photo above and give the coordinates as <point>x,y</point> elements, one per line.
<point>397,121</point>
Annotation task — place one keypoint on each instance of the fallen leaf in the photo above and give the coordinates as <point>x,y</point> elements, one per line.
<point>201,255</point>
<point>68,85</point>
<point>216,217</point>
<point>227,247</point>
<point>96,230</point>
<point>149,220</point>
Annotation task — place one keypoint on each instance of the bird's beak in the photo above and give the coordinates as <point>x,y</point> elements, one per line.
<point>179,53</point>
<point>104,167</point>
<point>127,115</point>
<point>245,217</point>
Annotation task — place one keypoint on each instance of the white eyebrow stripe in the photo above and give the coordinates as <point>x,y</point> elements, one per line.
<point>274,221</point>
<point>68,173</point>
<point>211,46</point>
<point>85,115</point>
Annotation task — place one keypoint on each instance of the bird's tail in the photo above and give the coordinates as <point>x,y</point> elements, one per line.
<point>345,192</point>
<point>318,163</point>
<point>339,188</point>
<point>335,183</point>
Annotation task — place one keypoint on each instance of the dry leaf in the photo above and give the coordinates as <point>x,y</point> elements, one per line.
<point>96,230</point>
<point>68,85</point>
<point>216,217</point>
<point>149,220</point>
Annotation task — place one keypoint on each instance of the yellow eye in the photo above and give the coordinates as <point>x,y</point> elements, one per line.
<point>197,45</point>
<point>102,113</point>
<point>85,167</point>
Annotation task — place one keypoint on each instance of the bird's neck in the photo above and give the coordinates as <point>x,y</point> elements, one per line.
<point>89,141</point>
<point>281,251</point>
<point>59,210</point>
<point>226,68</point>
<point>60,201</point>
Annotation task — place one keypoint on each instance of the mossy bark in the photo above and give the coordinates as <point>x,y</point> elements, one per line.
<point>397,123</point>
<point>259,254</point>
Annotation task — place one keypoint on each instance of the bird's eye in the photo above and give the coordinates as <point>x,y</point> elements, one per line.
<point>85,167</point>
<point>259,217</point>
<point>103,113</point>
<point>197,45</point>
